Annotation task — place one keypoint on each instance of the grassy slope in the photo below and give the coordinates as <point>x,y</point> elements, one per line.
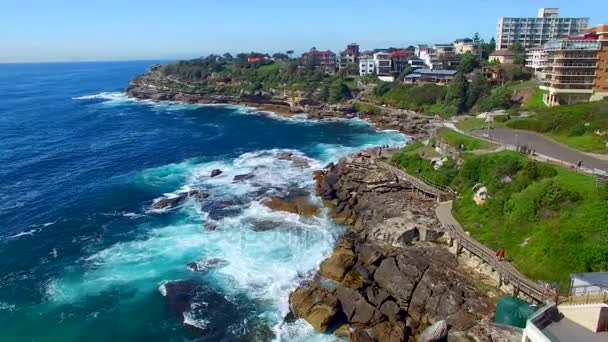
<point>455,139</point>
<point>551,221</point>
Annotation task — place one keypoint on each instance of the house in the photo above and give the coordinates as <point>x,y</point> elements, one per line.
<point>439,56</point>
<point>592,283</point>
<point>430,76</point>
<point>502,56</point>
<point>320,59</point>
<point>464,45</point>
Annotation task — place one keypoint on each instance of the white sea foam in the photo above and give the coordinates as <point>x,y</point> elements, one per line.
<point>25,233</point>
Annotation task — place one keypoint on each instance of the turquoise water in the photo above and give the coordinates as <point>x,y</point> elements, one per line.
<point>84,256</point>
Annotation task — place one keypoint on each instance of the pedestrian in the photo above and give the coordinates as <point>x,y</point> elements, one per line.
<point>502,255</point>
<point>579,164</point>
<point>497,254</point>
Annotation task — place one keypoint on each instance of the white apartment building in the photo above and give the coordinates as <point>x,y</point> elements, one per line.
<point>536,59</point>
<point>366,65</point>
<point>439,56</point>
<point>537,31</point>
<point>382,63</point>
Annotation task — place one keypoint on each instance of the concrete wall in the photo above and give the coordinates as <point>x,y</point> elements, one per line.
<point>590,316</point>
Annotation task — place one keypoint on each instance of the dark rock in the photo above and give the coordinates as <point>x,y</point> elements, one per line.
<point>356,308</point>
<point>376,295</point>
<point>391,310</point>
<point>242,178</point>
<point>206,264</point>
<point>216,172</point>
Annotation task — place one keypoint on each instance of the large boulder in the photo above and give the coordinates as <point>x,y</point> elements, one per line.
<point>399,276</point>
<point>318,306</point>
<point>341,261</point>
<point>356,308</point>
<point>298,205</point>
<point>216,172</point>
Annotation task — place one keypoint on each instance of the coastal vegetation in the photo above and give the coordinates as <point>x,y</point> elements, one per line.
<point>550,220</point>
<point>459,140</point>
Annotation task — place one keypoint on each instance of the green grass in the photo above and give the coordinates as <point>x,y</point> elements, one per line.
<point>456,139</point>
<point>266,70</point>
<point>551,221</point>
<point>522,85</point>
<point>367,108</point>
<point>471,124</point>
<point>535,102</point>
<point>586,143</point>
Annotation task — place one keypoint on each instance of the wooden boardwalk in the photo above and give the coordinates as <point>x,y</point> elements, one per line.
<point>420,183</point>
<point>507,272</point>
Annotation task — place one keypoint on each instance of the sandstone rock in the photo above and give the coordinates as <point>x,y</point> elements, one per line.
<point>435,333</point>
<point>391,310</point>
<point>340,262</point>
<point>390,332</point>
<point>298,205</point>
<point>342,331</point>
<point>360,335</point>
<point>318,306</point>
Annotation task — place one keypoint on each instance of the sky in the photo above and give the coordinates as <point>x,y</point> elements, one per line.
<point>89,30</point>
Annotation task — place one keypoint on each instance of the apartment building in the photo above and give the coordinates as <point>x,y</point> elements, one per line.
<point>439,56</point>
<point>400,60</point>
<point>537,31</point>
<point>576,69</point>
<point>320,59</point>
<point>536,58</point>
<point>366,65</point>
<point>382,63</point>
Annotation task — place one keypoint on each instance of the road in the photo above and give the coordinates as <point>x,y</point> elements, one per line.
<point>543,146</point>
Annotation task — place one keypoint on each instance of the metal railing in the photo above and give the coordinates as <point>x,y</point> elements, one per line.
<point>506,271</point>
<point>420,182</point>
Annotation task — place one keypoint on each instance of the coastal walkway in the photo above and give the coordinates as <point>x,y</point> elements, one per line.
<point>543,146</point>
<point>507,272</point>
<point>420,183</point>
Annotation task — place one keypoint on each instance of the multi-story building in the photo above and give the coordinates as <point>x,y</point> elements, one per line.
<point>400,60</point>
<point>382,63</point>
<point>439,56</point>
<point>350,56</point>
<point>465,45</point>
<point>320,59</point>
<point>536,58</point>
<point>537,31</point>
<point>577,68</point>
<point>366,65</point>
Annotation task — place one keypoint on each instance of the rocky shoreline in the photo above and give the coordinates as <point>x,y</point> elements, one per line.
<point>155,87</point>
<point>390,278</point>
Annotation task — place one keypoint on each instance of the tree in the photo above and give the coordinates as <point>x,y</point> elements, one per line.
<point>280,56</point>
<point>228,56</point>
<point>324,93</point>
<point>338,91</point>
<point>520,53</point>
<point>487,48</point>
<point>468,62</point>
<point>478,89</point>
<point>457,94</point>
<point>408,70</point>
<point>476,38</point>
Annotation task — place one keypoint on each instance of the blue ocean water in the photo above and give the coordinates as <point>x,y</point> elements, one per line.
<point>83,255</point>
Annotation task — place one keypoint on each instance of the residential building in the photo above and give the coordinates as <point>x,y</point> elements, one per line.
<point>465,45</point>
<point>320,59</point>
<point>366,65</point>
<point>416,63</point>
<point>536,58</point>
<point>537,31</point>
<point>256,58</point>
<point>382,63</point>
<point>439,56</point>
<point>400,60</point>
<point>350,56</point>
<point>502,56</point>
<point>430,76</point>
<point>568,322</point>
<point>577,68</point>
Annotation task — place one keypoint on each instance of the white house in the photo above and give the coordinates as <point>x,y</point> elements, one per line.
<point>366,65</point>
<point>382,63</point>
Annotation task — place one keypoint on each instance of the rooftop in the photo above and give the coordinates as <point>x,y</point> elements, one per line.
<point>595,278</point>
<point>567,330</point>
<point>435,72</point>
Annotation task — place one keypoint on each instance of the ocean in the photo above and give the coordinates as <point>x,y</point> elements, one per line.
<point>85,257</point>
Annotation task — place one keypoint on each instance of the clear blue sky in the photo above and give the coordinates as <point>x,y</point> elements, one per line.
<point>70,30</point>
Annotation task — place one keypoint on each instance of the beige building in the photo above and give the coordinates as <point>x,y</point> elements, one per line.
<point>502,56</point>
<point>577,68</point>
<point>465,45</point>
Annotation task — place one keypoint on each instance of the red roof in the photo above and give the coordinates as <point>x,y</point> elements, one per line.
<point>400,53</point>
<point>253,59</point>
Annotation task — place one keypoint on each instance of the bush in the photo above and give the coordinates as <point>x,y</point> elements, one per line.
<point>367,108</point>
<point>500,98</point>
<point>577,130</point>
<point>530,124</point>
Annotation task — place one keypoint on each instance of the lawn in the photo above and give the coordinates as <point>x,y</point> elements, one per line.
<point>535,102</point>
<point>456,139</point>
<point>586,143</point>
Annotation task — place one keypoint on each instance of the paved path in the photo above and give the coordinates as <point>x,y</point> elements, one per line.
<point>507,271</point>
<point>420,184</point>
<point>543,146</point>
